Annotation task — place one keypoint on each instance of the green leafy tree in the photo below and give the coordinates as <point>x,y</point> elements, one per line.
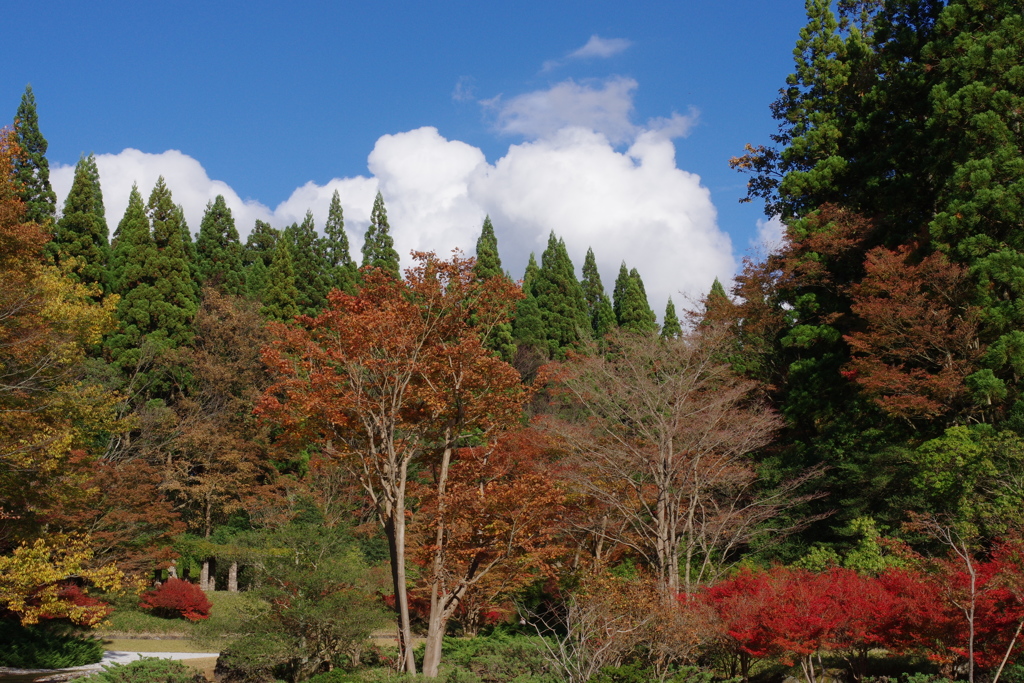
<point>528,326</point>
<point>343,274</point>
<point>312,276</point>
<point>379,246</point>
<point>670,327</point>
<point>31,169</point>
<point>280,297</point>
<point>632,311</point>
<point>258,254</point>
<point>602,315</point>
<point>560,298</point>
<point>218,249</point>
<point>488,264</point>
<point>170,271</point>
<point>133,249</point>
<point>81,233</point>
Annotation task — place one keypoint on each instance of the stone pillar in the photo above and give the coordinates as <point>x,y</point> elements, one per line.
<point>233,577</point>
<point>204,576</point>
<point>172,571</point>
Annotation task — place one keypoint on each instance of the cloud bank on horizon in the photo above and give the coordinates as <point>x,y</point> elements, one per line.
<point>570,175</point>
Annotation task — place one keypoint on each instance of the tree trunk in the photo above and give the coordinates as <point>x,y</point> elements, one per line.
<point>394,529</point>
<point>233,577</point>
<point>435,638</point>
<point>438,620</point>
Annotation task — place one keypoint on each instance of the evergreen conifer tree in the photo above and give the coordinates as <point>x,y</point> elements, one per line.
<point>260,244</point>
<point>488,265</point>
<point>670,328</point>
<point>602,316</point>
<point>488,262</point>
<point>633,313</point>
<point>560,298</point>
<point>344,274</point>
<point>379,246</point>
<point>31,169</point>
<point>133,249</point>
<point>528,326</point>
<point>176,292</point>
<point>81,233</point>
<point>312,272</point>
<point>218,249</point>
<point>280,296</point>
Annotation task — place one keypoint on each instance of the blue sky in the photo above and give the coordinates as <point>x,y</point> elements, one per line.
<point>554,115</point>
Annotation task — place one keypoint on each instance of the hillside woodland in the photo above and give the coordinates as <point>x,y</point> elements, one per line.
<point>816,471</point>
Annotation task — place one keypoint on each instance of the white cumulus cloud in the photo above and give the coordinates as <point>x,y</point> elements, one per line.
<point>634,205</point>
<point>601,47</point>
<point>605,107</point>
<point>770,232</point>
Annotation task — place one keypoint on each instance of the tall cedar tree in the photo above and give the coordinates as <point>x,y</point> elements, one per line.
<point>343,274</point>
<point>401,380</point>
<point>258,255</point>
<point>312,276</point>
<point>602,315</point>
<point>379,246</point>
<point>219,251</point>
<point>488,264</point>
<point>31,169</point>
<point>670,327</point>
<point>133,249</point>
<point>81,233</point>
<point>528,327</point>
<point>280,297</point>
<point>563,307</point>
<point>171,271</point>
<point>632,311</point>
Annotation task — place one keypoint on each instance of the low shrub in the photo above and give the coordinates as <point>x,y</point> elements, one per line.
<point>146,670</point>
<point>177,598</point>
<point>46,646</point>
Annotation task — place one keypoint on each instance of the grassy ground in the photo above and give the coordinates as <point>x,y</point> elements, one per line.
<point>128,622</point>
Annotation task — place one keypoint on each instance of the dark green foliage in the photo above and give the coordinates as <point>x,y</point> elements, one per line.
<point>147,670</point>
<point>171,269</point>
<point>81,233</point>
<point>488,265</point>
<point>259,245</point>
<point>312,270</point>
<point>528,326</point>
<point>343,273</point>
<point>632,312</point>
<point>379,246</point>
<point>133,249</point>
<point>317,604</point>
<point>500,657</point>
<point>670,327</point>
<point>488,262</point>
<point>46,646</point>
<point>602,315</point>
<point>219,251</point>
<point>32,170</point>
<point>280,296</point>
<point>560,298</point>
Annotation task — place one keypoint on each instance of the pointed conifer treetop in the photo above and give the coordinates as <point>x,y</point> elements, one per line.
<point>560,298</point>
<point>632,310</point>
<point>312,270</point>
<point>527,326</point>
<point>177,292</point>
<point>81,233</point>
<point>379,246</point>
<point>602,317</point>
<point>280,296</point>
<point>31,169</point>
<point>219,250</point>
<point>670,328</point>
<point>343,270</point>
<point>132,241</point>
<point>260,243</point>
<point>488,262</point>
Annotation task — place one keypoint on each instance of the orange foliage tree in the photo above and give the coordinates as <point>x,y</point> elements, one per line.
<point>397,375</point>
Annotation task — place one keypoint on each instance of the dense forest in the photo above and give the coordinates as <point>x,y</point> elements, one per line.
<point>822,467</point>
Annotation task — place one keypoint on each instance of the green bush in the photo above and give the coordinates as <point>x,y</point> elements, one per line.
<point>146,670</point>
<point>337,676</point>
<point>498,657</point>
<point>46,646</point>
